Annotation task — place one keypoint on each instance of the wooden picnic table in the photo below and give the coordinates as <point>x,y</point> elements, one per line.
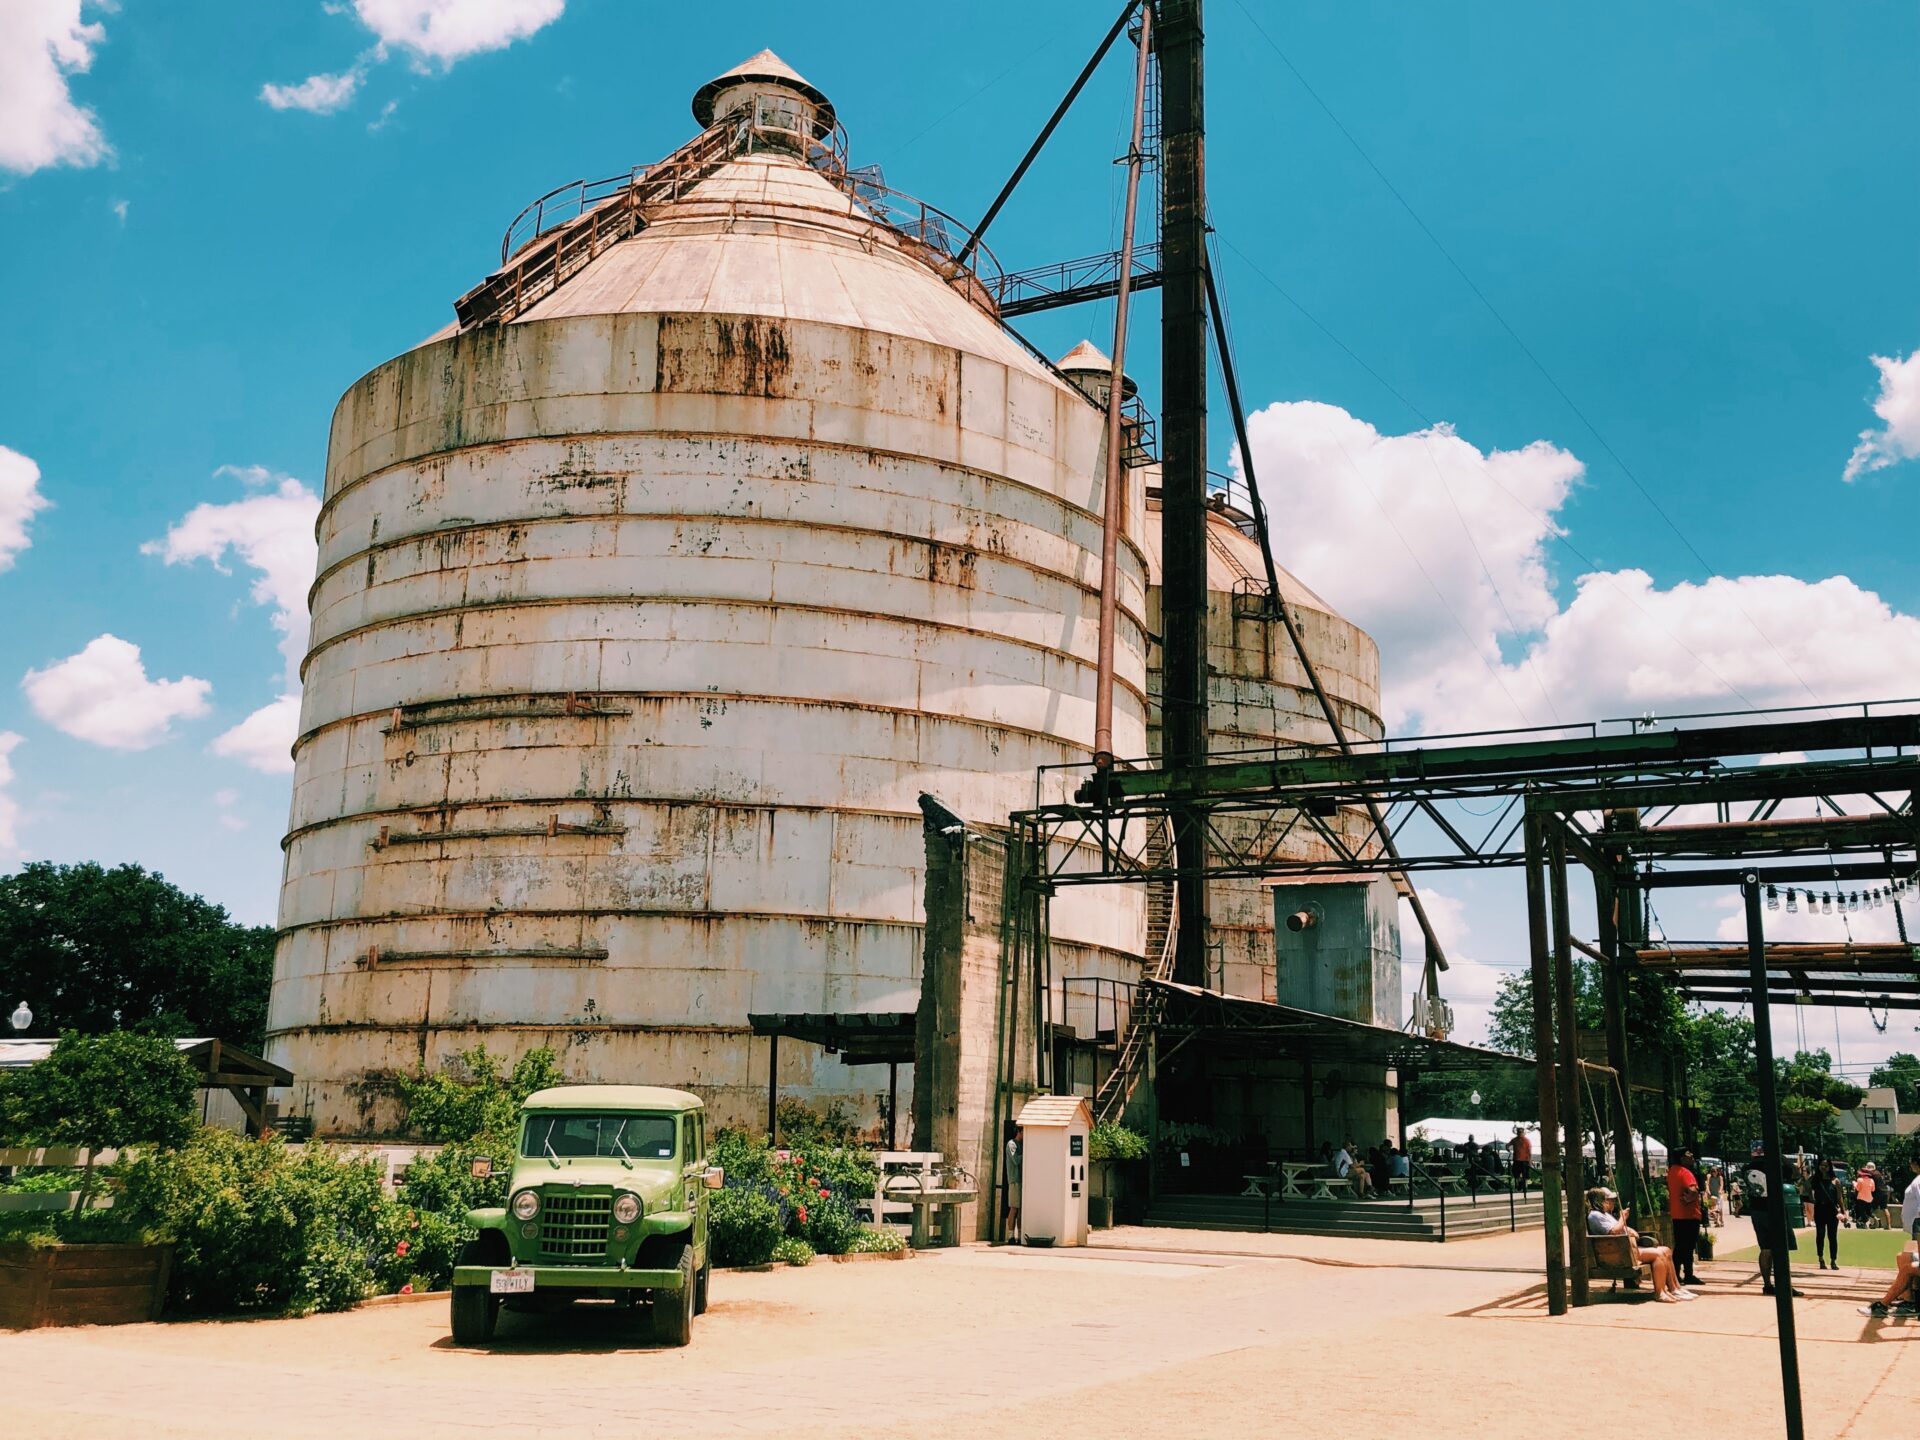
<point>1294,1170</point>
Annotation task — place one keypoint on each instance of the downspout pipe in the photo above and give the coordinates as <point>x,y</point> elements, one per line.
<point>1115,503</point>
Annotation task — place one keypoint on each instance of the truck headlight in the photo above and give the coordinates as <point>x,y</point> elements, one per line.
<point>526,1205</point>
<point>626,1209</point>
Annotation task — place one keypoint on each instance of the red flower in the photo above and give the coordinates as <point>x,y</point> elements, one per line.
<point>407,1289</point>
<point>400,1249</point>
<point>803,1214</point>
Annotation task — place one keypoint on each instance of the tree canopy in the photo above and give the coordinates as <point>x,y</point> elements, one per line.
<point>1902,1072</point>
<point>93,949</point>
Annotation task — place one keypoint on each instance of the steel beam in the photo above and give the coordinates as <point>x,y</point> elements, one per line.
<point>1183,453</point>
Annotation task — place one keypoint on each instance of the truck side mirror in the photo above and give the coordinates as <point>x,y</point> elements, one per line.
<point>482,1168</point>
<point>715,1178</point>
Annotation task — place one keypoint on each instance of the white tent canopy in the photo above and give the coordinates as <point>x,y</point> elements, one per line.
<point>1455,1132</point>
<point>1442,1130</point>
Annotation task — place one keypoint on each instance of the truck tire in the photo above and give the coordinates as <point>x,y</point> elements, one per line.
<point>474,1314</point>
<point>673,1309</point>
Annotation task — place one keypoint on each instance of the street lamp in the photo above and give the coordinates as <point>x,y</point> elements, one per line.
<point>21,1017</point>
<point>1474,1099</point>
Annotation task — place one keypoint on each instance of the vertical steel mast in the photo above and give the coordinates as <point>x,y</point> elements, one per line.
<point>1183,448</point>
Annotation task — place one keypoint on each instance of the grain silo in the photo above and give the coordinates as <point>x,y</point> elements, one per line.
<point>651,596</point>
<point>1259,696</point>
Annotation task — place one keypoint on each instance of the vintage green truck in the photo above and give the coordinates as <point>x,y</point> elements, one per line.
<point>607,1200</point>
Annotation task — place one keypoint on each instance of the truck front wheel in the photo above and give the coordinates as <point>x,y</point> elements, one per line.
<point>474,1314</point>
<point>673,1309</point>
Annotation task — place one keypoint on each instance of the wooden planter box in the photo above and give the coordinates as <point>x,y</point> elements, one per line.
<point>81,1284</point>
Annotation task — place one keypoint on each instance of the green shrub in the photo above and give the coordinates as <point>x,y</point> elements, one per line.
<point>848,1173</point>
<point>873,1241</point>
<point>1113,1141</point>
<point>801,1126</point>
<point>791,1250</point>
<point>744,1157</point>
<point>828,1225</point>
<point>444,1181</point>
<point>1843,1095</point>
<point>257,1227</point>
<point>42,1182</point>
<point>469,1096</point>
<point>743,1225</point>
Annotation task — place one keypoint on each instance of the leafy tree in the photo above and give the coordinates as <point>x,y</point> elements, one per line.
<point>1902,1072</point>
<point>95,950</point>
<point>100,1092</point>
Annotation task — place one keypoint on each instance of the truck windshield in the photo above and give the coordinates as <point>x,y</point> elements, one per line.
<point>589,1133</point>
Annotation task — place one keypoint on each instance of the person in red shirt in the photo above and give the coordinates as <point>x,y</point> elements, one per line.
<point>1522,1158</point>
<point>1683,1206</point>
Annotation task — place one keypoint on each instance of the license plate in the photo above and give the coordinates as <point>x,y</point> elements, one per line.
<point>510,1282</point>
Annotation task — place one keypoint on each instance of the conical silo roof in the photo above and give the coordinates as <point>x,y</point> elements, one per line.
<point>767,67</point>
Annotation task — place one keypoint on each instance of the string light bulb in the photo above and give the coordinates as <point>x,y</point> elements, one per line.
<point>1793,902</point>
<point>1773,898</point>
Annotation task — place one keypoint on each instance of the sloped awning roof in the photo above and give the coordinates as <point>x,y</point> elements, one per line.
<point>860,1037</point>
<point>1235,1024</point>
<point>218,1063</point>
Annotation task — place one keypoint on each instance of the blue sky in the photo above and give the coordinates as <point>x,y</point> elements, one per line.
<point>1703,222</point>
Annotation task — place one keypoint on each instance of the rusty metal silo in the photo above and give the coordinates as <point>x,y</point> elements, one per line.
<point>651,596</point>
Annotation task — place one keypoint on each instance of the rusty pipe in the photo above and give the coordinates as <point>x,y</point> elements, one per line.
<point>1115,501</point>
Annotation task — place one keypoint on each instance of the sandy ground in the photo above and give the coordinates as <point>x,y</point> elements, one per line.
<point>1154,1332</point>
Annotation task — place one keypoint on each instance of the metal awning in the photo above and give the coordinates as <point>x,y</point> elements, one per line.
<point>1235,1024</point>
<point>858,1037</point>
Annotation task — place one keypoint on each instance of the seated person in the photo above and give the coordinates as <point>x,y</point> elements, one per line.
<point>1341,1164</point>
<point>1356,1172</point>
<point>1903,1295</point>
<point>1604,1218</point>
<point>1398,1165</point>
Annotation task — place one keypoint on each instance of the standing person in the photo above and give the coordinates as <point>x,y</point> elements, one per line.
<point>1863,1196</point>
<point>1882,1200</point>
<point>1717,1195</point>
<point>1683,1208</point>
<point>1011,1221</point>
<point>1803,1183</point>
<point>1826,1215</point>
<point>1470,1158</point>
<point>1771,1230</point>
<point>1522,1158</point>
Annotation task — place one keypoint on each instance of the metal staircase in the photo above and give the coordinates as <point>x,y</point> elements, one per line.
<point>608,212</point>
<point>1163,921</point>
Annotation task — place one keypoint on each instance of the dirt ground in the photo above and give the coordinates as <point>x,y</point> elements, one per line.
<point>1153,1332</point>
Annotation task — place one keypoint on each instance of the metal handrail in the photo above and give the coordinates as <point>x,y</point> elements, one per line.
<point>1415,1170</point>
<point>933,236</point>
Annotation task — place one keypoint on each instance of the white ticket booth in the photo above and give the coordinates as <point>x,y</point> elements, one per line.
<point>1054,1132</point>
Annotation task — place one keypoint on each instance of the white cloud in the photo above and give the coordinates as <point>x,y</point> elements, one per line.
<point>264,740</point>
<point>103,695</point>
<point>42,44</point>
<point>272,533</point>
<point>9,807</point>
<point>223,804</point>
<point>1899,407</point>
<point>450,30</point>
<point>317,94</point>
<point>119,209</point>
<point>1379,523</point>
<point>1373,526</point>
<point>20,498</point>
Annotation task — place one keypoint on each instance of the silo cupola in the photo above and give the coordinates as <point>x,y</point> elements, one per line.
<point>780,97</point>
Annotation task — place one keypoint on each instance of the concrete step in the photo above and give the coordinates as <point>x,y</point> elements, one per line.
<point>1372,1221</point>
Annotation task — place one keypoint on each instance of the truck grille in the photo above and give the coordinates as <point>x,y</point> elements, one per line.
<point>574,1227</point>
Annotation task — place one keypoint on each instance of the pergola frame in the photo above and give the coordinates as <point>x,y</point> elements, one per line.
<point>1610,801</point>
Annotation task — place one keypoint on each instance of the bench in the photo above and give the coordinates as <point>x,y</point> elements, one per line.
<point>1610,1257</point>
<point>1325,1185</point>
<point>1261,1187</point>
